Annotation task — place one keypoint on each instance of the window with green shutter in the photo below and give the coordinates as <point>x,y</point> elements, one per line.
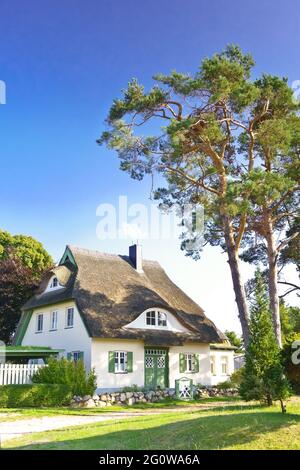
<point>188,362</point>
<point>182,363</point>
<point>120,362</point>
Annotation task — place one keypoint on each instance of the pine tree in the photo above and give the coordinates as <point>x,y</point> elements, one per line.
<point>264,378</point>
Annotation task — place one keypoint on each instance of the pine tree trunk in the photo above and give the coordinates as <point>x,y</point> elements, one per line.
<point>238,286</point>
<point>272,277</point>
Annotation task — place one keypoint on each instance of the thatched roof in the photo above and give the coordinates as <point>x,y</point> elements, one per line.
<point>110,294</point>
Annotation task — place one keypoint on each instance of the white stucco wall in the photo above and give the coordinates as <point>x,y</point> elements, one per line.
<point>109,381</point>
<point>201,377</point>
<point>68,339</point>
<point>218,354</point>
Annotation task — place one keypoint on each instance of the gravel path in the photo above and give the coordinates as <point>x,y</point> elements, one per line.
<point>17,428</point>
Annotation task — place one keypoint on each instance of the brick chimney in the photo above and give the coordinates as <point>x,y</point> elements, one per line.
<point>135,255</point>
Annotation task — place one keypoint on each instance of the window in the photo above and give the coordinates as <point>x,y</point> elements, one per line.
<point>53,320</point>
<point>75,356</point>
<point>151,318</point>
<point>39,322</point>
<point>156,318</point>
<point>162,319</point>
<point>213,366</point>
<point>70,317</point>
<point>190,362</point>
<point>54,283</point>
<point>120,361</point>
<point>224,365</point>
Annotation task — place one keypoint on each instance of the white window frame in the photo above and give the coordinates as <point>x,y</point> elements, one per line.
<point>67,317</point>
<point>190,362</point>
<point>37,329</point>
<point>224,362</point>
<point>161,319</point>
<point>157,318</point>
<point>213,365</point>
<point>54,281</point>
<point>53,315</point>
<point>151,318</point>
<point>119,355</point>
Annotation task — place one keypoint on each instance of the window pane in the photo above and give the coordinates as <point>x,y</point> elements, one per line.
<point>162,319</point>
<point>150,318</point>
<point>70,316</point>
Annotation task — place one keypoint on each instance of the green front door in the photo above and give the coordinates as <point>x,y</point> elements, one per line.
<point>156,368</point>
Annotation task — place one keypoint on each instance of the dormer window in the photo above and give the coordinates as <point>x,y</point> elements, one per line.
<point>161,319</point>
<point>54,283</point>
<point>156,318</point>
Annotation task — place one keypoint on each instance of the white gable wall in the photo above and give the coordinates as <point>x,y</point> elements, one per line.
<point>68,339</point>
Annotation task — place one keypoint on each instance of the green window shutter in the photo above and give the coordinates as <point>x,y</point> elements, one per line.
<point>81,355</point>
<point>129,361</point>
<point>69,356</point>
<point>111,361</point>
<point>177,388</point>
<point>196,362</point>
<point>182,362</point>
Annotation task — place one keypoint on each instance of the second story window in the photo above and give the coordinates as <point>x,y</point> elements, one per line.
<point>39,322</point>
<point>151,318</point>
<point>53,320</point>
<point>70,317</point>
<point>156,318</point>
<point>54,283</point>
<point>161,319</point>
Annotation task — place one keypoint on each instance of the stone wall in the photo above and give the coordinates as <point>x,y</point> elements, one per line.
<point>130,398</point>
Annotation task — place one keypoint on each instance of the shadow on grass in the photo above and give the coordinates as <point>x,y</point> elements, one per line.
<point>197,433</point>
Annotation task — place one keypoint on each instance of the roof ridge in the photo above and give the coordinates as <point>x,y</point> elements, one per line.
<point>103,254</point>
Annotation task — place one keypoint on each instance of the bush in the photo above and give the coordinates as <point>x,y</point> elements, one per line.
<point>237,377</point>
<point>72,374</point>
<point>17,396</point>
<point>224,385</point>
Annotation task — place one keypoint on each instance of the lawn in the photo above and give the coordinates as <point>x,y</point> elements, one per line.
<point>233,427</point>
<point>13,414</point>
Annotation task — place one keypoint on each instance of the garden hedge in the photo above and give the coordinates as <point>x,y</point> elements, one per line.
<point>35,395</point>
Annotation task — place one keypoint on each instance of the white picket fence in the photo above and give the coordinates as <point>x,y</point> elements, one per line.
<point>17,373</point>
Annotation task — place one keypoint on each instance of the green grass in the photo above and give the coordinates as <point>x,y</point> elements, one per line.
<point>13,414</point>
<point>233,427</point>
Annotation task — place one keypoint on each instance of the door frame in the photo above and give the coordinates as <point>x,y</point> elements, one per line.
<point>166,371</point>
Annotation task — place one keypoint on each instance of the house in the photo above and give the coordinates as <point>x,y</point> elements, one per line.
<point>126,319</point>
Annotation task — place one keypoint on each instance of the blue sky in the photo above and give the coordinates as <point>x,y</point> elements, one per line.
<point>63,63</point>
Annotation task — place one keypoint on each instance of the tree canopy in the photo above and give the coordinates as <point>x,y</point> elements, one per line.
<point>222,140</point>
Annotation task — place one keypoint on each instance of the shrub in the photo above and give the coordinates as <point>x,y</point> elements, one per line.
<point>14,396</point>
<point>224,385</point>
<point>264,377</point>
<point>237,377</point>
<point>72,374</point>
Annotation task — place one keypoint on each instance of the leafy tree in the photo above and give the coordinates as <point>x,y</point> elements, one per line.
<point>235,340</point>
<point>16,286</point>
<point>30,251</point>
<point>22,263</point>
<point>290,322</point>
<point>263,377</point>
<point>214,132</point>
